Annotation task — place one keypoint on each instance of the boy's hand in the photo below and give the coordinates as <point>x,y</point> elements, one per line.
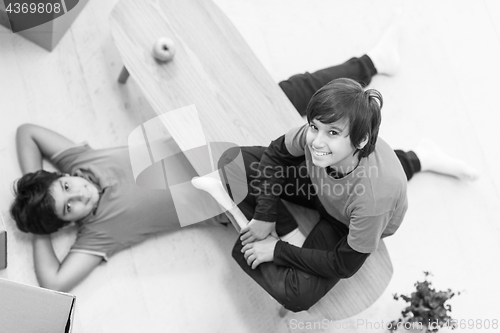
<point>261,251</point>
<point>256,230</point>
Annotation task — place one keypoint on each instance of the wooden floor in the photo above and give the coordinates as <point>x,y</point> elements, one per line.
<point>447,90</point>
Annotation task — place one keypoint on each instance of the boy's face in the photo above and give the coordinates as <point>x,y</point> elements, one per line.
<point>331,145</point>
<point>75,197</point>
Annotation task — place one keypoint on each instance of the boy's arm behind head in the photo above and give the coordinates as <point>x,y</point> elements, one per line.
<point>63,276</point>
<point>35,143</point>
<point>33,206</point>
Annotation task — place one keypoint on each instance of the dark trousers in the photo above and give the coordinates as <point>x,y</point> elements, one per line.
<point>300,88</point>
<point>295,289</point>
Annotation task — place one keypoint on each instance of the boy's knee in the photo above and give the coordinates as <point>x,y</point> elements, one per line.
<point>298,302</point>
<point>295,290</point>
<point>302,290</point>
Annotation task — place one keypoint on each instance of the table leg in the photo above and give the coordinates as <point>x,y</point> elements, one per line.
<point>123,75</point>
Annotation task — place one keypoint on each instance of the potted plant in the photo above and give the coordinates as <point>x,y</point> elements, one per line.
<point>427,309</point>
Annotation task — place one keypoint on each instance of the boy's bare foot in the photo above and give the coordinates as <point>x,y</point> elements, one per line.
<point>433,159</point>
<point>385,55</point>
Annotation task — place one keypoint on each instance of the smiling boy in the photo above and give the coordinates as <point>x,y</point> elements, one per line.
<point>340,148</point>
<point>353,179</point>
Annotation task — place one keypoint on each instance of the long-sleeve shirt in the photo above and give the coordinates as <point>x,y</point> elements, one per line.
<point>371,201</point>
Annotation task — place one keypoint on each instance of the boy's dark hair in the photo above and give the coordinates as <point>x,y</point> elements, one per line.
<point>346,99</point>
<point>33,208</point>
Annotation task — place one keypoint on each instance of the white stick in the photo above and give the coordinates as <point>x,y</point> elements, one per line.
<point>216,190</point>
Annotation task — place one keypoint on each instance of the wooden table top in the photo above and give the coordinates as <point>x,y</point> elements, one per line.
<point>214,69</point>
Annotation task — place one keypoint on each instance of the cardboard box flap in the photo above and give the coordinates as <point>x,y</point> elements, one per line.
<point>28,309</point>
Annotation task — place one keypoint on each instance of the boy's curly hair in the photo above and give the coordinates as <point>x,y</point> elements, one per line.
<point>33,208</point>
<point>346,99</point>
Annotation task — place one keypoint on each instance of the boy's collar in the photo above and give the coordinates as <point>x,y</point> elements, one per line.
<point>337,174</point>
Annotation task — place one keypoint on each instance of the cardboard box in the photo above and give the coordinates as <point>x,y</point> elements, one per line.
<point>46,35</point>
<point>28,309</point>
<point>4,19</point>
<point>3,244</point>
